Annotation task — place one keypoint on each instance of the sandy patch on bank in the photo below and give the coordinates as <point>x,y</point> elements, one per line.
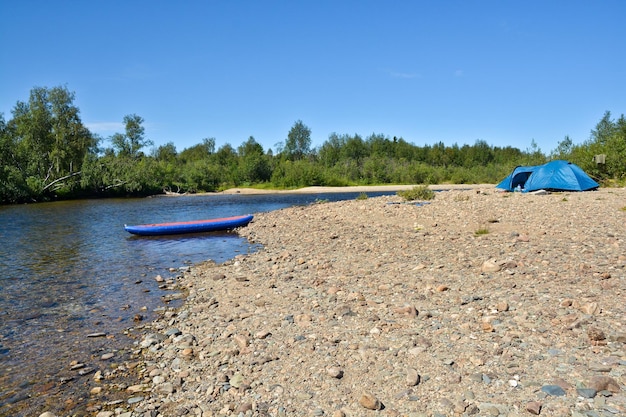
<point>353,189</point>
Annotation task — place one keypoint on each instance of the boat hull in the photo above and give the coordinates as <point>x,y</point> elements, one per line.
<point>195,226</point>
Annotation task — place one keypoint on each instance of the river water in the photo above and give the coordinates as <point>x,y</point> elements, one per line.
<point>69,270</point>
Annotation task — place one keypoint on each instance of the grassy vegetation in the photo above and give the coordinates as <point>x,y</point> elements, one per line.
<point>482,230</point>
<point>420,192</point>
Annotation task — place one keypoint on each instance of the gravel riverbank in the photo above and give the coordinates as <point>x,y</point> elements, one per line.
<point>475,303</point>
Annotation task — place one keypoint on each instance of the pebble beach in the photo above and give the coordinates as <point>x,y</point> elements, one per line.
<point>477,302</point>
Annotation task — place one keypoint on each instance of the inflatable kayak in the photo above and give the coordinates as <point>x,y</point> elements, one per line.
<point>194,226</point>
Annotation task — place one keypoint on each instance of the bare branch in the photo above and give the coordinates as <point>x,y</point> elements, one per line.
<point>73,174</point>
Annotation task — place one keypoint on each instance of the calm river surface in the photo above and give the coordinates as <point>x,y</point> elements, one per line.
<point>69,270</point>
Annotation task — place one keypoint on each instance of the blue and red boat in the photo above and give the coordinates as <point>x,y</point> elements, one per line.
<point>194,226</point>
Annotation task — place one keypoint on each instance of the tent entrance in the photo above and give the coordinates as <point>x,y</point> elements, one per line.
<point>520,179</point>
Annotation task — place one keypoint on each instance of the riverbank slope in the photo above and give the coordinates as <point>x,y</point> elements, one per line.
<point>475,303</point>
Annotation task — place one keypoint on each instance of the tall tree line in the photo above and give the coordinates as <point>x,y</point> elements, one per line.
<point>47,153</point>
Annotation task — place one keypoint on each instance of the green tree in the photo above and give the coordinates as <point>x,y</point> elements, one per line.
<point>480,154</point>
<point>381,146</point>
<point>227,160</point>
<point>168,167</point>
<point>253,164</point>
<point>563,149</point>
<point>608,138</point>
<point>298,143</point>
<point>355,148</point>
<point>199,152</point>
<point>132,141</point>
<point>534,155</point>
<point>13,187</point>
<point>72,140</point>
<point>49,141</point>
<point>166,152</point>
<point>330,151</point>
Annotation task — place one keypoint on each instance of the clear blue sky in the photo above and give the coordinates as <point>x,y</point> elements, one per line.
<point>506,72</point>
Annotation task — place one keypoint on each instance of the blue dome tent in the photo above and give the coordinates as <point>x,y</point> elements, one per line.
<point>554,176</point>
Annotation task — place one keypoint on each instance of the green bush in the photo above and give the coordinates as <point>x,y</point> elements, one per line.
<point>419,192</point>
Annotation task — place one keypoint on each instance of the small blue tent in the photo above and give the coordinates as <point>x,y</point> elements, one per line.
<point>554,176</point>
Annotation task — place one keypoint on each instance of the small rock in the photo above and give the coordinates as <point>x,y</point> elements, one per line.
<point>370,402</point>
<point>241,341</point>
<point>406,311</point>
<point>218,277</point>
<point>262,334</point>
<point>586,392</point>
<point>459,406</point>
<point>334,372</point>
<point>165,388</point>
<point>562,383</point>
<point>173,331</point>
<point>133,389</point>
<point>77,366</point>
<point>590,308</point>
<point>236,380</point>
<point>553,390</point>
<point>412,377</point>
<point>150,339</point>
<point>502,306</point>
<point>595,334</point>
<point>487,327</point>
<point>491,266</point>
<point>534,407</point>
<point>243,408</point>
<point>490,410</point>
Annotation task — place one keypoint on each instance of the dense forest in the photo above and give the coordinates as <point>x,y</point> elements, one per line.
<point>47,153</point>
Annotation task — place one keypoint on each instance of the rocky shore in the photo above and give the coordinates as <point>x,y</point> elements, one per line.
<point>475,303</point>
